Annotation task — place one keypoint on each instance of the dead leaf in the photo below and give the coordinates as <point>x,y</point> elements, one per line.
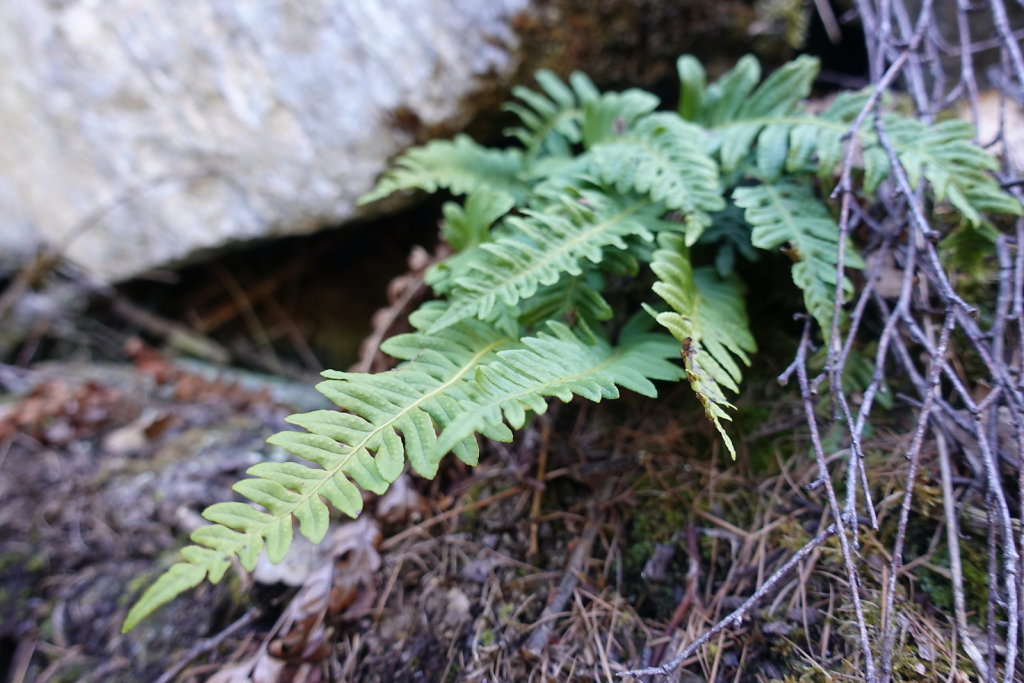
<point>347,567</point>
<point>137,434</point>
<point>402,503</point>
<point>299,562</point>
<point>991,110</point>
<point>457,610</point>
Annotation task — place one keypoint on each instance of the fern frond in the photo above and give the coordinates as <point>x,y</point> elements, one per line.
<point>763,129</point>
<point>551,118</point>
<point>662,157</point>
<point>613,113</point>
<point>957,169</point>
<point>457,383</point>
<point>736,96</point>
<point>459,165</point>
<point>390,417</point>
<point>562,362</point>
<point>739,120</point>
<point>468,225</point>
<point>789,213</point>
<point>731,234</point>
<point>575,297</point>
<point>719,102</point>
<point>709,320</point>
<point>537,249</point>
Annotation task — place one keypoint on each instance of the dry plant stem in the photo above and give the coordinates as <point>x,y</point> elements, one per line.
<point>989,458</point>
<point>538,640</point>
<point>1018,314</point>
<point>967,59</point>
<point>538,493</point>
<point>993,583</point>
<point>837,514</point>
<point>175,334</point>
<point>252,320</point>
<point>1009,43</point>
<point>393,541</point>
<point>953,540</point>
<point>1011,558</point>
<point>934,373</point>
<point>396,311</point>
<point>1018,304</point>
<point>909,45</point>
<point>207,645</point>
<point>735,618</point>
<point>921,224</point>
<point>999,507</point>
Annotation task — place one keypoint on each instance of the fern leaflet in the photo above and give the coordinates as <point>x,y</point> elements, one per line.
<point>398,415</point>
<point>551,118</point>
<point>787,213</point>
<point>536,250</point>
<point>469,225</point>
<point>577,296</point>
<point>709,320</point>
<point>562,362</point>
<point>458,165</point>
<point>662,157</point>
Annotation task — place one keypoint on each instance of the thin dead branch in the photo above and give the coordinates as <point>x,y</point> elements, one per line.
<point>929,331</point>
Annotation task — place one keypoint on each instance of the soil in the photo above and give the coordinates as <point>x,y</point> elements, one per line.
<point>604,538</point>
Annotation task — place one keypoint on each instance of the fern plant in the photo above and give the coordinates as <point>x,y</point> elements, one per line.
<point>600,186</point>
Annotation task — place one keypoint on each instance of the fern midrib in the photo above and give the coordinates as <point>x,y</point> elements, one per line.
<point>658,154</point>
<point>618,352</point>
<point>571,244</point>
<point>260,531</point>
<point>824,123</point>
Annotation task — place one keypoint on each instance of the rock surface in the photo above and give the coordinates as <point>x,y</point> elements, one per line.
<point>140,132</point>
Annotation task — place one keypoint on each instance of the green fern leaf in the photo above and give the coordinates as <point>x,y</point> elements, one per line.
<point>723,99</point>
<point>459,165</point>
<point>470,224</point>
<point>692,84</point>
<point>536,250</point>
<point>609,115</point>
<point>390,417</point>
<point>552,118</point>
<point>788,213</point>
<point>662,156</point>
<point>708,319</point>
<point>575,297</point>
<point>779,96</point>
<point>562,363</point>
<point>957,169</point>
<point>784,140</point>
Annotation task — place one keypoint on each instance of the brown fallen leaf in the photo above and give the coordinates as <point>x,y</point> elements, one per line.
<point>301,639</point>
<point>402,503</point>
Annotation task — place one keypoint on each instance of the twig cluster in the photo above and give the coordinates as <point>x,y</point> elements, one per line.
<point>973,421</point>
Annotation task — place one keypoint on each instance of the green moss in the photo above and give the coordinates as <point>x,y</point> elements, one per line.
<point>487,637</point>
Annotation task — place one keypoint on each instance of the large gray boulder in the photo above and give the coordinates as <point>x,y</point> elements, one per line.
<point>142,133</point>
<point>137,133</point>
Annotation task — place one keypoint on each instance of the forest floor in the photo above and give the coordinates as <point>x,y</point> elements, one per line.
<point>606,537</point>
